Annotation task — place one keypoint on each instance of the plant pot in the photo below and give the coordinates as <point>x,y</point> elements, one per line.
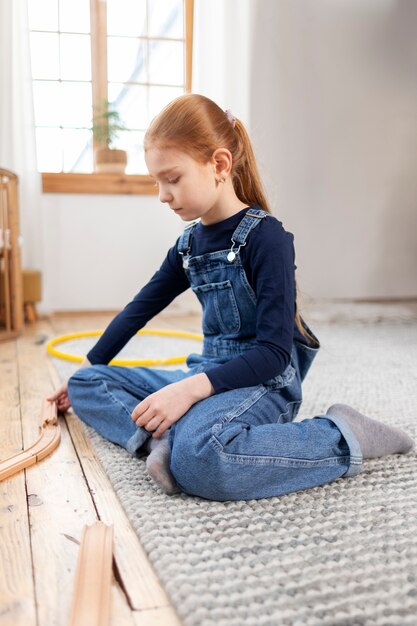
<point>110,161</point>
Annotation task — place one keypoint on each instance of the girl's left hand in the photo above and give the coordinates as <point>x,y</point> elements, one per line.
<point>161,409</point>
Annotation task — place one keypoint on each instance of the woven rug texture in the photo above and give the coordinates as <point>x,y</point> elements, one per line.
<point>343,554</point>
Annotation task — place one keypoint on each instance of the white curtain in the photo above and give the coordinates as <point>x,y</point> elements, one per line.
<point>221,53</point>
<point>17,132</point>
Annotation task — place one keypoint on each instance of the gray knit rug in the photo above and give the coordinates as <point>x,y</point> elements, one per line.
<point>344,554</point>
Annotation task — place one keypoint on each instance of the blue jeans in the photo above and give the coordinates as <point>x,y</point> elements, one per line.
<point>237,445</point>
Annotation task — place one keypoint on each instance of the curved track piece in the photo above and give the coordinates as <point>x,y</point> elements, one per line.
<point>47,442</point>
<point>92,589</point>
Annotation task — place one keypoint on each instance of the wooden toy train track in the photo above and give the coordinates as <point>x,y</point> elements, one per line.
<point>92,588</point>
<point>49,439</point>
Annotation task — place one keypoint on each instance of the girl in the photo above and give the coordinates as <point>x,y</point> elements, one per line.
<point>222,430</point>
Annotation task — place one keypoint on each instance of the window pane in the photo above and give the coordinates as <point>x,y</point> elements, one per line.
<point>49,149</point>
<point>67,150</point>
<point>126,17</point>
<point>43,14</point>
<point>143,75</point>
<point>160,96</point>
<point>132,103</point>
<point>132,142</point>
<point>166,62</point>
<point>75,57</point>
<point>44,55</point>
<point>47,103</point>
<point>78,153</point>
<point>76,105</point>
<point>74,16</point>
<point>166,18</point>
<point>126,60</point>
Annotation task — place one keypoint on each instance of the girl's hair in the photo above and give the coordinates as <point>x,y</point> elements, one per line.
<point>197,126</point>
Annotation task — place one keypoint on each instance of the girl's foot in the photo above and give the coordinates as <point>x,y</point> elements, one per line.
<point>157,464</point>
<point>375,438</point>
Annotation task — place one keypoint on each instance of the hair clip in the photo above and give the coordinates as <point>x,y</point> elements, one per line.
<point>230,117</point>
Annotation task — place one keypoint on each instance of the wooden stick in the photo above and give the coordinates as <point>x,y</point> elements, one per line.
<point>16,278</point>
<point>6,259</point>
<point>1,251</point>
<point>10,254</point>
<point>47,442</point>
<point>91,600</point>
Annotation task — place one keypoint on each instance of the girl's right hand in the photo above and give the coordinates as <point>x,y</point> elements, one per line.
<point>60,396</point>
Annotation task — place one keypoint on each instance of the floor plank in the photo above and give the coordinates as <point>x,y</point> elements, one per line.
<point>59,499</point>
<point>10,425</point>
<point>17,593</point>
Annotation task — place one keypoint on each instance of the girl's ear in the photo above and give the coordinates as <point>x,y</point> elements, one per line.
<point>222,161</point>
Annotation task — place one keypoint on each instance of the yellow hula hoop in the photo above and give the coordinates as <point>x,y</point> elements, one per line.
<point>75,358</point>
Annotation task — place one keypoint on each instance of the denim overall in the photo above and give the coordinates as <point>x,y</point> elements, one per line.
<point>237,445</point>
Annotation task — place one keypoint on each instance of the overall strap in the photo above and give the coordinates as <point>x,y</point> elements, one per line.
<point>251,220</point>
<point>184,244</point>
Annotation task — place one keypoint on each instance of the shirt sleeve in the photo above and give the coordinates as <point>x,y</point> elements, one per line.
<point>167,283</point>
<point>269,265</point>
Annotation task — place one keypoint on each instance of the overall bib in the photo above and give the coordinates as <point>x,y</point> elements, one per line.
<point>240,444</point>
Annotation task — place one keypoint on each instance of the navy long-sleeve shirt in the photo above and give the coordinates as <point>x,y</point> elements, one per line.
<point>269,263</point>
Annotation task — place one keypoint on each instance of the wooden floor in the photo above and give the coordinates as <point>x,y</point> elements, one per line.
<point>43,509</point>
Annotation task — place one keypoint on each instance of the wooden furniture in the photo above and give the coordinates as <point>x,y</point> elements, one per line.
<point>11,284</point>
<point>32,293</point>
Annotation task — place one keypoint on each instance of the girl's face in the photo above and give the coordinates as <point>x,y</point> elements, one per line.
<point>188,186</point>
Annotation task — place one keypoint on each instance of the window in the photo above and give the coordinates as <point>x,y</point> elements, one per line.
<point>133,54</point>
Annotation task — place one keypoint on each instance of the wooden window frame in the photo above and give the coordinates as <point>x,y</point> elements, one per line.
<point>98,183</point>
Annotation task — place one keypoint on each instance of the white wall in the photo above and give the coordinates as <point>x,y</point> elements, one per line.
<point>334,121</point>
<point>100,250</point>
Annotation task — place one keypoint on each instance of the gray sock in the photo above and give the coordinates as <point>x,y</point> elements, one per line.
<point>157,463</point>
<point>375,438</point>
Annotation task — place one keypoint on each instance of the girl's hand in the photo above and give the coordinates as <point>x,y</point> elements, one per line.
<point>60,395</point>
<point>163,408</point>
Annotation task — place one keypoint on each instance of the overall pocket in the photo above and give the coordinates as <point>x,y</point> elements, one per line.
<point>220,311</point>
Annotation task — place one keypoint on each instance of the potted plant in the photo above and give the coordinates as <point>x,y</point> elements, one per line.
<point>106,127</point>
